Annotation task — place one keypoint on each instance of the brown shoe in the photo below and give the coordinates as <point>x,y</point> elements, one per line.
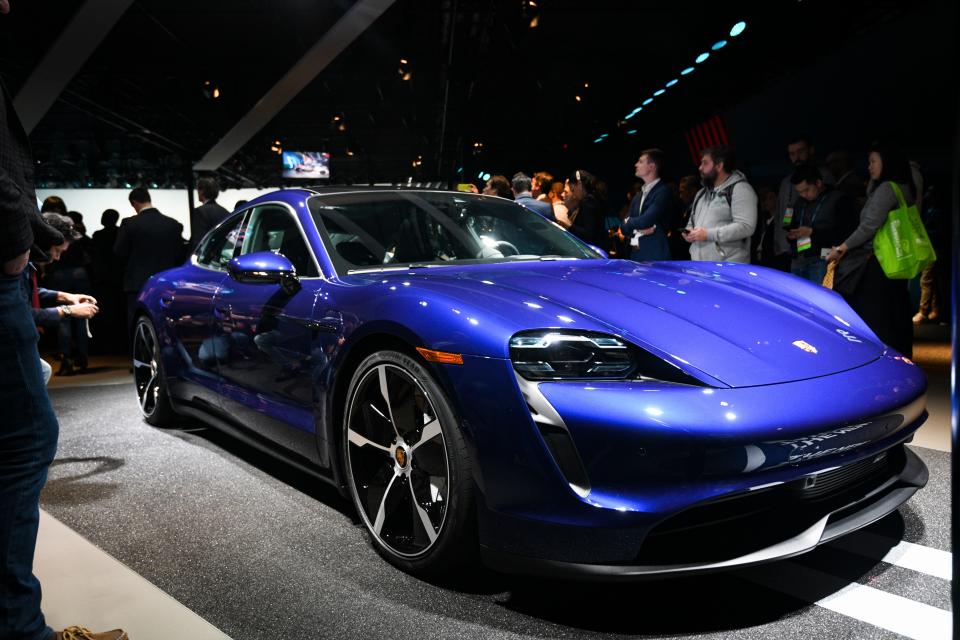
<point>82,633</point>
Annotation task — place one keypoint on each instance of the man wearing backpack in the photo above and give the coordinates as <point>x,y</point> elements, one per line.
<point>724,212</point>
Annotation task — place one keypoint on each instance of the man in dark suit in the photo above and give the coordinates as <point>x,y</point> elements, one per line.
<point>147,243</point>
<point>651,211</point>
<point>207,215</point>
<point>521,185</point>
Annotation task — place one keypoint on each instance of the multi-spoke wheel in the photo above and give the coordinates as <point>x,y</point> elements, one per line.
<point>148,376</point>
<point>407,465</point>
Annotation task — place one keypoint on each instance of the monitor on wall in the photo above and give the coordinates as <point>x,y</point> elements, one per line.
<point>308,165</point>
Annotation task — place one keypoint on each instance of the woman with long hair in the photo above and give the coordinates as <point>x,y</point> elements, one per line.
<point>587,218</point>
<point>884,304</point>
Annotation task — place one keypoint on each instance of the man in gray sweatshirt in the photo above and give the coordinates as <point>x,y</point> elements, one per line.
<point>724,212</point>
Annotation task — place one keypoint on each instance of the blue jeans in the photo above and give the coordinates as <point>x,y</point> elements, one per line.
<point>811,268</point>
<point>28,443</point>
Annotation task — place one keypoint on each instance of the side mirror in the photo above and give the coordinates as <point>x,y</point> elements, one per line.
<point>265,267</point>
<point>601,252</point>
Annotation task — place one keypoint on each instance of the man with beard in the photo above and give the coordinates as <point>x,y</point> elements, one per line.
<point>724,212</point>
<point>801,152</point>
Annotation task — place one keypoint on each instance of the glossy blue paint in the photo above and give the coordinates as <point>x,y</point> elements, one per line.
<point>783,363</point>
<point>263,261</point>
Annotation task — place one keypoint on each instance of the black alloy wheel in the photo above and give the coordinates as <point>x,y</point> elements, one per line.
<point>148,376</point>
<point>408,468</point>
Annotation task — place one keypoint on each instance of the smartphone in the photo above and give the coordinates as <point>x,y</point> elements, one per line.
<point>465,186</point>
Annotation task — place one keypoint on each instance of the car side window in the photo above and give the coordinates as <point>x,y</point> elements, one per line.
<point>218,247</point>
<point>273,228</point>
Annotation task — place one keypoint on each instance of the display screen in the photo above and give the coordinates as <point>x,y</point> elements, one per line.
<point>312,165</point>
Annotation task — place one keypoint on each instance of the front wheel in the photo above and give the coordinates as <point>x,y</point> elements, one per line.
<point>148,376</point>
<point>408,469</point>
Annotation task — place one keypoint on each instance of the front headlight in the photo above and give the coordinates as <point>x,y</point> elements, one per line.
<point>551,354</point>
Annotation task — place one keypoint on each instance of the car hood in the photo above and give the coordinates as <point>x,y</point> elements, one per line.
<point>737,324</point>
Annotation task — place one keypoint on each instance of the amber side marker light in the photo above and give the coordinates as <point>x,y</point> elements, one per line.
<point>440,356</point>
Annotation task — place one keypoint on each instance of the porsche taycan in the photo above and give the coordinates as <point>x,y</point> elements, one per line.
<point>482,384</point>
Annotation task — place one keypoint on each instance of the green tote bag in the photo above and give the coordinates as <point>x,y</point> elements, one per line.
<point>902,245</point>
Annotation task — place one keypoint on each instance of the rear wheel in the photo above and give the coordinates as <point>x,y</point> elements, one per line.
<point>148,376</point>
<point>408,468</point>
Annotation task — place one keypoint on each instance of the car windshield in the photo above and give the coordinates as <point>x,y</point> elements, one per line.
<point>369,231</point>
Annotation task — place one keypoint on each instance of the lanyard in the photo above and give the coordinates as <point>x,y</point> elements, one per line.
<point>816,211</point>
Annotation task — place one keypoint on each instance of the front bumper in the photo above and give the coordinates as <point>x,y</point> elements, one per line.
<point>843,513</point>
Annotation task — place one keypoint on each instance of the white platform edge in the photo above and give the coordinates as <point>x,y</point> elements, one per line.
<point>83,585</point>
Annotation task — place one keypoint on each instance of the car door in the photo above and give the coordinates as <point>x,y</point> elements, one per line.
<point>190,312</point>
<point>269,335</point>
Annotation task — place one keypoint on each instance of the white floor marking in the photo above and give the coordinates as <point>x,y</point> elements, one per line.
<point>85,586</point>
<point>873,606</point>
<point>916,557</point>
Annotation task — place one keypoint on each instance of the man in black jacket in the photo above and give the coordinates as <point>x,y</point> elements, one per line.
<point>207,215</point>
<point>147,243</point>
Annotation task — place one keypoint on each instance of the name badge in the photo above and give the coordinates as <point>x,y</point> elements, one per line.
<point>803,244</point>
<point>788,215</point>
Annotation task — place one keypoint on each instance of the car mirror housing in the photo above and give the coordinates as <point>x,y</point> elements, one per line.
<point>265,267</point>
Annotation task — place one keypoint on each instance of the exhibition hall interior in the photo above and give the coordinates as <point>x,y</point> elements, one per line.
<point>477,319</point>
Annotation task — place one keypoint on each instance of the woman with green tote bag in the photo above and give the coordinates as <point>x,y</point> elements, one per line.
<point>884,304</point>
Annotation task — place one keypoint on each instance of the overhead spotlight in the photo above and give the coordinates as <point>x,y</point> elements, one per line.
<point>486,176</point>
<point>403,61</point>
<point>659,92</point>
<point>342,127</point>
<point>336,118</point>
<point>738,29</point>
<point>480,175</point>
<point>647,101</point>
<point>349,153</point>
<point>686,71</point>
<point>406,77</point>
<point>276,142</point>
<point>535,21</point>
<point>719,45</point>
<point>702,57</point>
<point>671,83</point>
<point>631,132</point>
<point>210,90</point>
<point>577,98</point>
<point>586,85</point>
<point>216,93</point>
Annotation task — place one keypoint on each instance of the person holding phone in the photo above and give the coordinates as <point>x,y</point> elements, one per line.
<point>724,213</point>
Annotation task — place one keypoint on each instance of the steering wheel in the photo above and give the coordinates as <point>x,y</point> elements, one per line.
<point>497,245</point>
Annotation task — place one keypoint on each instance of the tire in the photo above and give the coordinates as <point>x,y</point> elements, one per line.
<point>408,469</point>
<point>148,376</point>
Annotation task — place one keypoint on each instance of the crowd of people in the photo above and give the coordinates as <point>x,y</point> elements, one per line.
<point>87,286</point>
<point>819,214</point>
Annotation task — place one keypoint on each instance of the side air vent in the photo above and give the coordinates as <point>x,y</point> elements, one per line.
<point>556,436</point>
<point>566,457</point>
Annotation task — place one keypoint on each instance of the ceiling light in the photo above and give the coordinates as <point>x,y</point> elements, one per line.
<point>535,22</point>
<point>686,71</point>
<point>702,57</point>
<point>631,132</point>
<point>577,98</point>
<point>719,45</point>
<point>660,92</point>
<point>647,101</point>
<point>672,82</point>
<point>738,29</point>
<point>403,61</point>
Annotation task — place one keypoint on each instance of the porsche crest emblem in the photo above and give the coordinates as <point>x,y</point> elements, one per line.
<point>806,346</point>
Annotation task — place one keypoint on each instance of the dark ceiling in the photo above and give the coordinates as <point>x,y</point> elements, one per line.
<point>141,111</point>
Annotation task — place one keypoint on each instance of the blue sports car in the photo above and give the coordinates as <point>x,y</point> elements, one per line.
<point>481,383</point>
